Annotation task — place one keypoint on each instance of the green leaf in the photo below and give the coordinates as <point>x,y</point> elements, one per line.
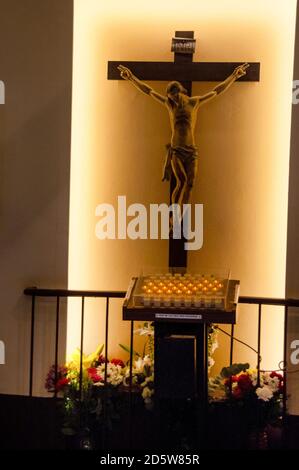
<point>234,369</point>
<point>128,350</point>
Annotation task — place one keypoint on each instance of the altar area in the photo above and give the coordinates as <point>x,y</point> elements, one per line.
<point>149,214</point>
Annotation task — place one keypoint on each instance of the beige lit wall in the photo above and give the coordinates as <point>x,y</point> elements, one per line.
<point>35,125</point>
<point>118,138</point>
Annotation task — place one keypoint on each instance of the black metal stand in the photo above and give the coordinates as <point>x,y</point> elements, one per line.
<point>181,387</point>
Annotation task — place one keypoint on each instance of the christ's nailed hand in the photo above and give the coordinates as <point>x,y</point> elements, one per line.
<point>241,70</point>
<point>125,73</point>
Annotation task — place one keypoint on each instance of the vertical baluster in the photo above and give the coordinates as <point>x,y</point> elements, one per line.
<point>32,345</point>
<point>105,370</point>
<point>56,343</point>
<point>285,360</point>
<point>206,368</point>
<point>259,345</point>
<point>131,385</point>
<point>81,348</point>
<point>106,341</point>
<point>231,355</point>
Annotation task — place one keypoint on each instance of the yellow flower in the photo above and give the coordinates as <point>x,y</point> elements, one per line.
<point>87,361</point>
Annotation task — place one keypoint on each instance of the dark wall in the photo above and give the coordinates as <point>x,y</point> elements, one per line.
<point>35,131</point>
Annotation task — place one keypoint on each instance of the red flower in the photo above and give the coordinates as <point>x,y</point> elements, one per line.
<point>280,378</point>
<point>238,393</point>
<point>61,383</point>
<point>92,372</point>
<point>118,362</point>
<point>245,382</point>
<point>54,376</point>
<point>275,374</point>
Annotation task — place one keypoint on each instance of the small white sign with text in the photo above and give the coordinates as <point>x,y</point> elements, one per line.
<point>2,353</point>
<point>2,92</point>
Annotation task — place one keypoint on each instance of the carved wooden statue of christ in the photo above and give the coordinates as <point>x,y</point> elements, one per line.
<point>181,158</point>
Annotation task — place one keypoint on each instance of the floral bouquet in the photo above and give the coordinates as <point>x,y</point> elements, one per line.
<point>259,396</point>
<point>84,405</point>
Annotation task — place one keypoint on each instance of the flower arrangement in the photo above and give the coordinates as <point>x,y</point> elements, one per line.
<point>83,405</point>
<point>238,386</point>
<point>259,395</point>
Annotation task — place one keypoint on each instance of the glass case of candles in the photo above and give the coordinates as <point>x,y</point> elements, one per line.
<point>178,289</point>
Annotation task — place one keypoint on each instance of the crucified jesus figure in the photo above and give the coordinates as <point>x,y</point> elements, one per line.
<point>181,158</point>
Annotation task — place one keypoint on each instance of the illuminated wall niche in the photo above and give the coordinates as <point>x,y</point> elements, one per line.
<point>118,139</point>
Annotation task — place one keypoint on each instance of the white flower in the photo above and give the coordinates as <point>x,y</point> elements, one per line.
<point>140,363</point>
<point>114,374</point>
<point>211,362</point>
<point>273,383</point>
<point>214,346</point>
<point>145,331</point>
<point>264,393</point>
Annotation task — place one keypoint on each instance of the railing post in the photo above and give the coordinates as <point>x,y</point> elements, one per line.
<point>105,369</point>
<point>131,384</point>
<point>56,343</point>
<point>231,354</point>
<point>285,360</point>
<point>32,345</point>
<point>81,348</point>
<point>259,344</point>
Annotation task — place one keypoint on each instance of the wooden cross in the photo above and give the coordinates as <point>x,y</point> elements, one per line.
<point>184,70</point>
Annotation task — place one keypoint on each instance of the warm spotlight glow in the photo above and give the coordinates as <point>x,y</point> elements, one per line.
<point>118,139</point>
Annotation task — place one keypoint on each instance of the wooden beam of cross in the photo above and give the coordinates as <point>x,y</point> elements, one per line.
<point>184,70</point>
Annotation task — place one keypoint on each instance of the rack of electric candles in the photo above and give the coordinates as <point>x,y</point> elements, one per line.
<point>180,296</point>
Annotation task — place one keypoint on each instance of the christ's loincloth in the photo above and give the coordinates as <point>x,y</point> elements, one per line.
<point>187,155</point>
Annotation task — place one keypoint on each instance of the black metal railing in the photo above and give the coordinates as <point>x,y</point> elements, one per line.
<point>64,293</point>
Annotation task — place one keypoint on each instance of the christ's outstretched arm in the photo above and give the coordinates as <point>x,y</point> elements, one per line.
<point>126,74</point>
<point>223,86</point>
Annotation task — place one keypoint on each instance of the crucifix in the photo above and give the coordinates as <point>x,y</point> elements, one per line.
<point>184,71</point>
<point>182,343</point>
